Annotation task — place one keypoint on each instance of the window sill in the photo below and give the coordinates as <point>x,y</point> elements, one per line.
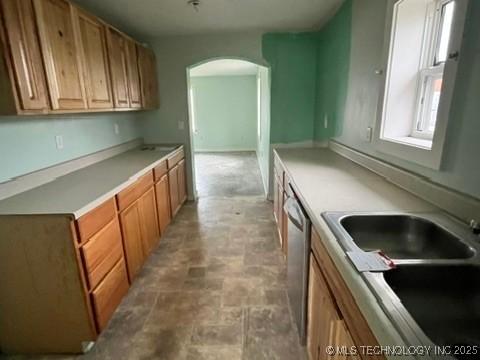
<point>412,141</point>
<point>423,152</point>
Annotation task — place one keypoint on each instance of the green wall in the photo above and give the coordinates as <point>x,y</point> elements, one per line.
<point>309,79</point>
<point>28,143</point>
<point>292,58</point>
<point>333,63</point>
<point>225,113</point>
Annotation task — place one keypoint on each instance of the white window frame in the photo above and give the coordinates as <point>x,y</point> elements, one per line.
<point>422,151</point>
<point>430,68</point>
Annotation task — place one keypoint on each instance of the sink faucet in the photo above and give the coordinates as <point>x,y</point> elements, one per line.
<point>475,226</point>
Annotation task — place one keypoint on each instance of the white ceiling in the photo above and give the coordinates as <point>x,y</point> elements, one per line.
<point>151,18</point>
<point>225,67</point>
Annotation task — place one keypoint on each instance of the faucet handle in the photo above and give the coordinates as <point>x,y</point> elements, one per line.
<point>475,226</point>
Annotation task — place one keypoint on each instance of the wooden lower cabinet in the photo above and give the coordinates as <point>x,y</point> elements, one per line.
<point>102,252</point>
<point>130,220</point>
<point>108,295</point>
<point>71,274</point>
<point>325,326</point>
<point>163,203</point>
<point>182,182</point>
<point>334,318</point>
<point>279,199</point>
<point>149,221</point>
<point>173,187</point>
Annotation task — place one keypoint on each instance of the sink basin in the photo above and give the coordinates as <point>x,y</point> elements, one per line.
<point>404,237</point>
<point>443,300</point>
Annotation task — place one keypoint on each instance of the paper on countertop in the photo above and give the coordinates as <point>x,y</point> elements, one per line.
<point>370,261</point>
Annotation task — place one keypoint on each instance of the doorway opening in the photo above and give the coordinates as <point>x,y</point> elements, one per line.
<point>229,120</point>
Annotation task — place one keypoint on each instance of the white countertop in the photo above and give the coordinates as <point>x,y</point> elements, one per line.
<point>80,191</point>
<point>327,181</point>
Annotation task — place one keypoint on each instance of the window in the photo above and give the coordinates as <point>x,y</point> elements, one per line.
<point>421,66</point>
<point>438,27</point>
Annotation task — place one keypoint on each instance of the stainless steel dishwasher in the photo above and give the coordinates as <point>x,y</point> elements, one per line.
<point>298,261</point>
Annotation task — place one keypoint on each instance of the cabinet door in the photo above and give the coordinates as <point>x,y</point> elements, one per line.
<point>275,198</point>
<point>173,184</point>
<point>182,183</point>
<point>117,49</point>
<point>130,220</point>
<point>95,61</point>
<point>134,90</point>
<point>322,314</point>
<point>25,57</point>
<point>340,337</point>
<point>148,213</point>
<point>163,203</point>
<point>284,222</point>
<point>148,77</point>
<point>61,50</point>
<point>108,295</point>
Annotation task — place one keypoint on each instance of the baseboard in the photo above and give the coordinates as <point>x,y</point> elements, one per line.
<point>199,151</point>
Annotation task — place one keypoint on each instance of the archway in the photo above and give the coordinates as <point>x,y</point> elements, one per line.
<point>229,111</point>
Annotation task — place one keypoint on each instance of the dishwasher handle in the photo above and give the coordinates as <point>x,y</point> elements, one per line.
<point>294,213</point>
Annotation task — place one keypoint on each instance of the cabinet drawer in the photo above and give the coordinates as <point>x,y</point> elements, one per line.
<point>175,158</point>
<point>102,252</point>
<point>160,170</point>
<point>108,295</point>
<point>96,219</point>
<point>134,191</point>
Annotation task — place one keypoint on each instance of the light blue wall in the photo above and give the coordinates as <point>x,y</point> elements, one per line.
<point>263,140</point>
<point>225,109</point>
<point>28,144</point>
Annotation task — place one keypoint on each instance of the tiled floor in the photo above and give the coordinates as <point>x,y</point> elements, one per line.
<point>228,174</point>
<point>215,287</point>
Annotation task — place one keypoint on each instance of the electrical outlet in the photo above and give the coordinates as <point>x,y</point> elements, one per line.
<point>116,129</point>
<point>59,142</point>
<point>368,134</point>
<point>181,125</point>
<point>325,121</point>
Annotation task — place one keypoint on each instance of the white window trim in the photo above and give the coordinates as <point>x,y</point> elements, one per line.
<point>436,71</point>
<point>410,150</point>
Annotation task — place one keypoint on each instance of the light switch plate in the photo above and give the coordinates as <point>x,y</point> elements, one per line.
<point>116,129</point>
<point>181,125</point>
<point>59,142</point>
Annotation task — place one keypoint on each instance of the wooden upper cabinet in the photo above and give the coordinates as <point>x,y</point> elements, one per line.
<point>117,48</point>
<point>26,90</point>
<point>134,90</point>
<point>61,48</point>
<point>95,61</point>
<point>148,77</point>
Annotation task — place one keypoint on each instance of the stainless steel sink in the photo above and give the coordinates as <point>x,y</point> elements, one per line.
<point>417,237</point>
<point>404,237</point>
<point>444,301</point>
<point>433,294</point>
